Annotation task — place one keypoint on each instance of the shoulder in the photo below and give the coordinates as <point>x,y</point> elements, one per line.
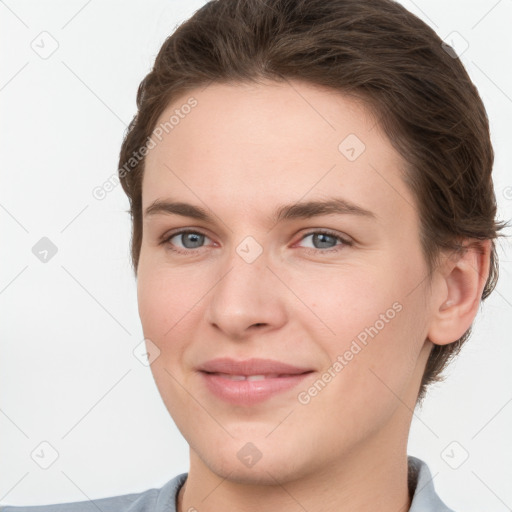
<point>154,500</point>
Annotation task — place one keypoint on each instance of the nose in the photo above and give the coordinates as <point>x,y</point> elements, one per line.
<point>247,298</point>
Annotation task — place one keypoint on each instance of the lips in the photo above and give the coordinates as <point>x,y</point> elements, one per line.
<point>251,367</point>
<point>252,381</point>
<point>249,377</point>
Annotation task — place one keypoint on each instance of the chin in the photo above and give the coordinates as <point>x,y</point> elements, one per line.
<point>254,463</point>
<point>262,473</point>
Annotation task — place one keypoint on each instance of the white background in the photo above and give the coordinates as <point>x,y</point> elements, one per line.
<point>68,328</point>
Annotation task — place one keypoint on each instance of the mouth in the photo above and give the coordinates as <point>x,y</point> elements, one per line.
<point>254,377</point>
<point>251,367</point>
<point>249,390</point>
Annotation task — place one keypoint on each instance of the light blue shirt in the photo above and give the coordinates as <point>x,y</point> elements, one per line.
<point>425,498</point>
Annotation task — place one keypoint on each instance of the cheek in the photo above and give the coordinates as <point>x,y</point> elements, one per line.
<point>165,295</point>
<point>374,318</point>
<point>166,309</point>
<point>346,301</point>
<point>165,303</point>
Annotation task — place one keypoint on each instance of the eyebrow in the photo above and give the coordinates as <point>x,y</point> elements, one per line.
<point>300,210</point>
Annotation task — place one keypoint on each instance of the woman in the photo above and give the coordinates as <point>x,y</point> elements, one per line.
<point>313,231</point>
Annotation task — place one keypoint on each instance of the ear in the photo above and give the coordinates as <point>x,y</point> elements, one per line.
<point>460,283</point>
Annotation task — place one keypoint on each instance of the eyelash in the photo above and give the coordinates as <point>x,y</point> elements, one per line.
<point>337,248</point>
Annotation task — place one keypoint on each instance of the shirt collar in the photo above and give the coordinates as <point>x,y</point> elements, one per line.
<point>421,486</point>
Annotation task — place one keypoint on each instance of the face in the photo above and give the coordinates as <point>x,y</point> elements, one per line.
<point>335,286</point>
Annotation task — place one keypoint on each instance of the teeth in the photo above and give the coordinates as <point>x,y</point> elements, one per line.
<point>248,377</point>
<point>233,377</point>
<point>256,377</point>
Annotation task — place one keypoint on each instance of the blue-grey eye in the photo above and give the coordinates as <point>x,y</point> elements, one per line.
<point>190,240</point>
<point>322,240</point>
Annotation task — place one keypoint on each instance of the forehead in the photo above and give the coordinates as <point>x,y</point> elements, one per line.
<point>260,145</point>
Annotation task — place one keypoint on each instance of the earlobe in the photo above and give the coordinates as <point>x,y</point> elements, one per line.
<point>462,279</point>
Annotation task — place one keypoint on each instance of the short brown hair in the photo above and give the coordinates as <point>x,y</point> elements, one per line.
<point>375,50</point>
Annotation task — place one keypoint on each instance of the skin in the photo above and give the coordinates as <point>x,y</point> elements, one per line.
<point>240,153</point>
